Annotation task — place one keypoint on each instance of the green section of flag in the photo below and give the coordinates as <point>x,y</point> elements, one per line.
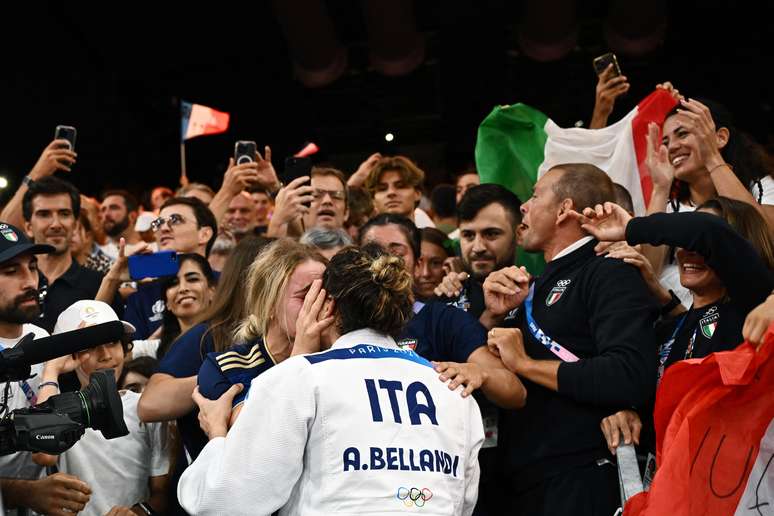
<point>509,148</point>
<point>509,151</point>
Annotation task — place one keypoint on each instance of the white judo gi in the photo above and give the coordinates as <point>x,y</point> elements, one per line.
<point>363,428</point>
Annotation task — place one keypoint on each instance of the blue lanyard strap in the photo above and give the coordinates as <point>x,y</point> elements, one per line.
<point>539,335</point>
<point>666,348</point>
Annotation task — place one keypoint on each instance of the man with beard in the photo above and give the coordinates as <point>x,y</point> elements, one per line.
<point>50,207</point>
<point>118,213</point>
<point>19,476</point>
<point>489,218</point>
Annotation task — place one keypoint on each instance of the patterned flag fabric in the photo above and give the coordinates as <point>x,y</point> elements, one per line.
<point>198,120</point>
<point>714,422</point>
<point>517,144</point>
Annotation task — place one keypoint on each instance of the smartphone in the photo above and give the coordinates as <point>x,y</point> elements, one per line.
<point>153,265</point>
<point>601,63</point>
<point>244,152</point>
<point>66,132</point>
<point>295,168</point>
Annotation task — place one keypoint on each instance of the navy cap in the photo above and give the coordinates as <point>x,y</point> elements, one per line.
<point>14,242</point>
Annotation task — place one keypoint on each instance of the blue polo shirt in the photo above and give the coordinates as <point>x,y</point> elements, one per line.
<point>183,360</point>
<point>240,364</point>
<point>145,309</point>
<point>443,333</point>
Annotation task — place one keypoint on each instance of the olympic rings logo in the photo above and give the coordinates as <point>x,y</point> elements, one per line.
<point>414,496</point>
<point>563,283</point>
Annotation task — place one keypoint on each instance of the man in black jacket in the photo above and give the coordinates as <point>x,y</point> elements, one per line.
<point>582,341</point>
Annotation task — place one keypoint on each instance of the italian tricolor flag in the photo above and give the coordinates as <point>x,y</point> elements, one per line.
<point>517,144</point>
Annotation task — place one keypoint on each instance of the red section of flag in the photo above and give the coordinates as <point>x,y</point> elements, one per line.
<point>710,417</point>
<point>205,120</point>
<point>309,149</point>
<point>652,108</point>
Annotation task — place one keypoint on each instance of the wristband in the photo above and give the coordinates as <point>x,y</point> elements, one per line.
<point>672,304</point>
<point>53,384</point>
<point>28,181</point>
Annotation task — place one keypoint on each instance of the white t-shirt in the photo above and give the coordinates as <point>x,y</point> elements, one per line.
<point>117,470</point>
<point>20,465</point>
<point>110,249</point>
<point>145,348</point>
<point>422,219</point>
<point>763,192</point>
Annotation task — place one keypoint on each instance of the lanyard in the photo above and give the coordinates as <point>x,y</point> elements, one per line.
<point>554,347</point>
<point>666,348</point>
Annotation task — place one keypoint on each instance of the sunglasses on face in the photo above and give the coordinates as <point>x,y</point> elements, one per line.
<point>171,221</point>
<point>337,195</point>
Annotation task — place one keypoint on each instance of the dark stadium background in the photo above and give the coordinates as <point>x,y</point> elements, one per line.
<point>117,72</point>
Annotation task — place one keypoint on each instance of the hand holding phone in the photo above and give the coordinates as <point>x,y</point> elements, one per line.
<point>153,265</point>
<point>610,85</point>
<point>66,132</point>
<point>602,62</point>
<point>244,152</point>
<point>296,168</point>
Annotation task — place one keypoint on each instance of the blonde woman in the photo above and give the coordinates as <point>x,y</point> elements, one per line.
<point>256,289</point>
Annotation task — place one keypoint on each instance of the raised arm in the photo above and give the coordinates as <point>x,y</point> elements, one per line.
<point>56,156</point>
<point>731,256</point>
<point>240,177</point>
<point>609,88</point>
<point>727,184</point>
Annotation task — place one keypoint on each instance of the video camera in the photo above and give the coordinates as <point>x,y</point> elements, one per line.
<point>56,424</point>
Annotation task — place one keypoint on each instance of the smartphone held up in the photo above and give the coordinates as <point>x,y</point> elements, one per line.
<point>153,265</point>
<point>602,62</point>
<point>68,133</point>
<point>244,152</point>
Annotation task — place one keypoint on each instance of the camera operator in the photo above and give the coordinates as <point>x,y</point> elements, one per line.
<point>19,475</point>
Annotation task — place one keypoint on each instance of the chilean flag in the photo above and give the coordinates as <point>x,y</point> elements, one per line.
<point>517,144</point>
<point>198,120</point>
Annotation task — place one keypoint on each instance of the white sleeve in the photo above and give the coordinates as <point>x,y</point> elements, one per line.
<point>254,468</point>
<point>763,190</point>
<point>472,471</point>
<point>159,443</point>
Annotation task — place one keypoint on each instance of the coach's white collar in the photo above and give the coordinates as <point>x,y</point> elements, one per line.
<point>364,336</point>
<point>573,247</point>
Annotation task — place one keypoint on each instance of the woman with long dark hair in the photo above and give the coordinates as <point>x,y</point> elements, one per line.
<point>702,155</point>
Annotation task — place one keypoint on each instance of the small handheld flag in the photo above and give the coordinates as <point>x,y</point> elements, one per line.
<point>309,149</point>
<point>198,120</point>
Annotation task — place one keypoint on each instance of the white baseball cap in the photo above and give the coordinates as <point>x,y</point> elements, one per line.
<point>88,312</point>
<point>144,220</point>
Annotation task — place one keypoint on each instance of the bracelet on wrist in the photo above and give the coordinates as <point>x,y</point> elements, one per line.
<point>52,384</point>
<point>721,165</point>
<point>28,181</point>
